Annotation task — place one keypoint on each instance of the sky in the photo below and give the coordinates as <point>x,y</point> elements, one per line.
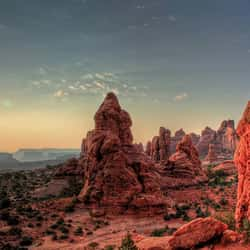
<point>173,63</point>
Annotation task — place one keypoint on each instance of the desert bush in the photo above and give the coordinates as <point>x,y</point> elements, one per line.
<point>245,228</point>
<point>26,241</point>
<point>13,220</point>
<point>15,231</point>
<point>227,218</point>
<point>223,201</point>
<point>5,203</point>
<point>64,237</point>
<point>109,247</point>
<point>78,231</point>
<point>128,243</point>
<point>93,245</point>
<point>159,232</point>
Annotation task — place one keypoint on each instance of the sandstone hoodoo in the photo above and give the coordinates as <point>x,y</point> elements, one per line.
<point>242,161</point>
<point>185,162</point>
<point>208,136</point>
<point>117,174</point>
<point>212,154</point>
<point>160,146</point>
<point>179,134</point>
<point>227,136</point>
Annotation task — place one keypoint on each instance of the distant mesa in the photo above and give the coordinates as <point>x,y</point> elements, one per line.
<point>32,155</point>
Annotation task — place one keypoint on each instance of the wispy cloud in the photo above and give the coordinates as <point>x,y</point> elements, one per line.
<point>92,83</point>
<point>181,97</point>
<point>42,71</point>
<point>60,93</point>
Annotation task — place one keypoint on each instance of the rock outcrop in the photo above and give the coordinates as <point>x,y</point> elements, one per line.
<point>160,146</point>
<point>212,154</point>
<point>191,235</point>
<point>208,136</point>
<point>242,161</point>
<point>139,147</point>
<point>197,232</point>
<point>185,162</point>
<point>148,148</point>
<point>228,167</point>
<point>227,136</point>
<point>179,134</point>
<point>117,175</point>
<point>224,140</point>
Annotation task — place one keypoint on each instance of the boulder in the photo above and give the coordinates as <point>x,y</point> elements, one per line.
<point>197,232</point>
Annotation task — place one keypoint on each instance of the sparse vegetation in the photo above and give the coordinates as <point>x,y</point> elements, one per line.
<point>227,218</point>
<point>93,245</point>
<point>26,241</point>
<point>128,243</point>
<point>78,231</point>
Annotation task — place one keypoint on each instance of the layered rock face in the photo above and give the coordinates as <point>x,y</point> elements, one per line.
<point>227,136</point>
<point>224,139</point>
<point>116,172</point>
<point>179,134</point>
<point>185,162</point>
<point>160,146</point>
<point>242,161</point>
<point>212,154</point>
<point>208,136</point>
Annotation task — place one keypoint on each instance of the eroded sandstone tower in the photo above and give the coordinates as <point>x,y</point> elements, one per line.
<point>242,161</point>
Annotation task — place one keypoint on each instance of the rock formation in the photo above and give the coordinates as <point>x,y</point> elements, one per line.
<point>197,232</point>
<point>212,154</point>
<point>208,136</point>
<point>190,236</point>
<point>179,134</point>
<point>160,146</point>
<point>185,162</point>
<point>195,138</point>
<point>224,139</point>
<point>228,167</point>
<point>117,175</point>
<point>155,149</point>
<point>139,147</point>
<point>148,148</point>
<point>227,136</point>
<point>242,161</point>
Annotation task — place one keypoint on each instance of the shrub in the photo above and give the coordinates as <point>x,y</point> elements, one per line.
<point>4,203</point>
<point>93,245</point>
<point>159,232</point>
<point>15,231</point>
<point>246,229</point>
<point>78,231</point>
<point>223,201</point>
<point>228,218</point>
<point>12,221</point>
<point>64,237</point>
<point>26,241</point>
<point>109,247</point>
<point>64,230</point>
<point>128,243</point>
